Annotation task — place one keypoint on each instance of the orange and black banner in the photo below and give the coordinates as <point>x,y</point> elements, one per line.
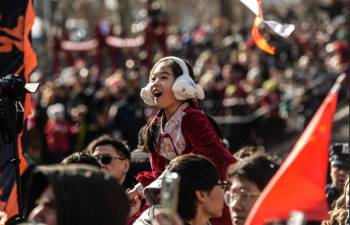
<point>16,57</point>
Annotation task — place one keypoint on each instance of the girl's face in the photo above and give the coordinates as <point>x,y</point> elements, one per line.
<point>161,83</point>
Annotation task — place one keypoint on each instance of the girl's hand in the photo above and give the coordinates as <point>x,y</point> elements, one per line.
<point>132,194</point>
<point>135,206</point>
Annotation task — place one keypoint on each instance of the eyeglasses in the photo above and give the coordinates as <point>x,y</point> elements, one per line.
<point>231,198</point>
<point>223,184</point>
<point>107,159</point>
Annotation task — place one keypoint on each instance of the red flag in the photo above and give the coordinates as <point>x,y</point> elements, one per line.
<point>16,56</point>
<point>300,182</point>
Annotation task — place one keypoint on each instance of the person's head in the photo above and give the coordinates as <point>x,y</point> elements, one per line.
<point>247,178</point>
<point>340,210</point>
<point>113,154</point>
<point>75,195</point>
<point>201,192</point>
<point>171,83</point>
<point>233,72</point>
<point>56,111</point>
<point>82,158</point>
<point>340,164</point>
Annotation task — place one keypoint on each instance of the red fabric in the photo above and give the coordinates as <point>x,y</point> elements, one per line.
<point>300,182</point>
<point>202,139</point>
<point>57,136</point>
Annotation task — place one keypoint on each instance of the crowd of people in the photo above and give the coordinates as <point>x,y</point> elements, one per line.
<point>179,139</point>
<point>85,189</point>
<point>209,116</point>
<point>252,95</point>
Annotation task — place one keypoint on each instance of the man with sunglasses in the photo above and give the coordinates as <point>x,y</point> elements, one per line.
<point>114,156</point>
<point>248,177</point>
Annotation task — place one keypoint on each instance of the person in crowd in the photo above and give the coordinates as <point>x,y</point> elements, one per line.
<point>82,158</point>
<point>114,155</point>
<point>179,127</point>
<point>340,213</point>
<point>62,195</point>
<point>247,178</point>
<point>200,197</point>
<point>155,31</point>
<point>339,168</point>
<point>58,133</point>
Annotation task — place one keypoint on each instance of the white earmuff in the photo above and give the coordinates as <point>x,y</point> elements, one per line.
<point>147,96</point>
<point>184,86</point>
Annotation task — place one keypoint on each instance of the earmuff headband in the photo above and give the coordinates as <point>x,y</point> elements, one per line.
<point>181,63</point>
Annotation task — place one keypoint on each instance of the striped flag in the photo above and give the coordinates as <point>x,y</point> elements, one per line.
<point>16,57</point>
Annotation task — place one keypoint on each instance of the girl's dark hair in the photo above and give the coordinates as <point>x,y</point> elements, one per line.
<point>153,126</point>
<point>197,173</point>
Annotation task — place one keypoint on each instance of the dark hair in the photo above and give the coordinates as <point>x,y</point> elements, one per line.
<point>141,137</point>
<point>256,168</point>
<point>197,173</point>
<point>81,158</point>
<point>248,150</point>
<point>75,204</point>
<point>120,146</point>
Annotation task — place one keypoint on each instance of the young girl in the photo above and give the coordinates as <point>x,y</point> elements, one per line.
<point>179,127</point>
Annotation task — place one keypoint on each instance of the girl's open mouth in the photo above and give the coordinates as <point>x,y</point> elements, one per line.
<point>157,93</point>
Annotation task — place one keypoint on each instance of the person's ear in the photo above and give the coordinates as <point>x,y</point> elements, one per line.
<point>201,196</point>
<point>126,165</point>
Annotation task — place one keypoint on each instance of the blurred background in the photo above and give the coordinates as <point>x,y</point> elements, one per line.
<point>95,56</point>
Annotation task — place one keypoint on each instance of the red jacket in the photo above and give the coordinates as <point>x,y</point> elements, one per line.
<point>200,138</point>
<point>57,134</point>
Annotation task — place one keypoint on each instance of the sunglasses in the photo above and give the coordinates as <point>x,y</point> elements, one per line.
<point>223,184</point>
<point>107,159</point>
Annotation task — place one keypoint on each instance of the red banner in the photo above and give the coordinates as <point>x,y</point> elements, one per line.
<point>16,57</point>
